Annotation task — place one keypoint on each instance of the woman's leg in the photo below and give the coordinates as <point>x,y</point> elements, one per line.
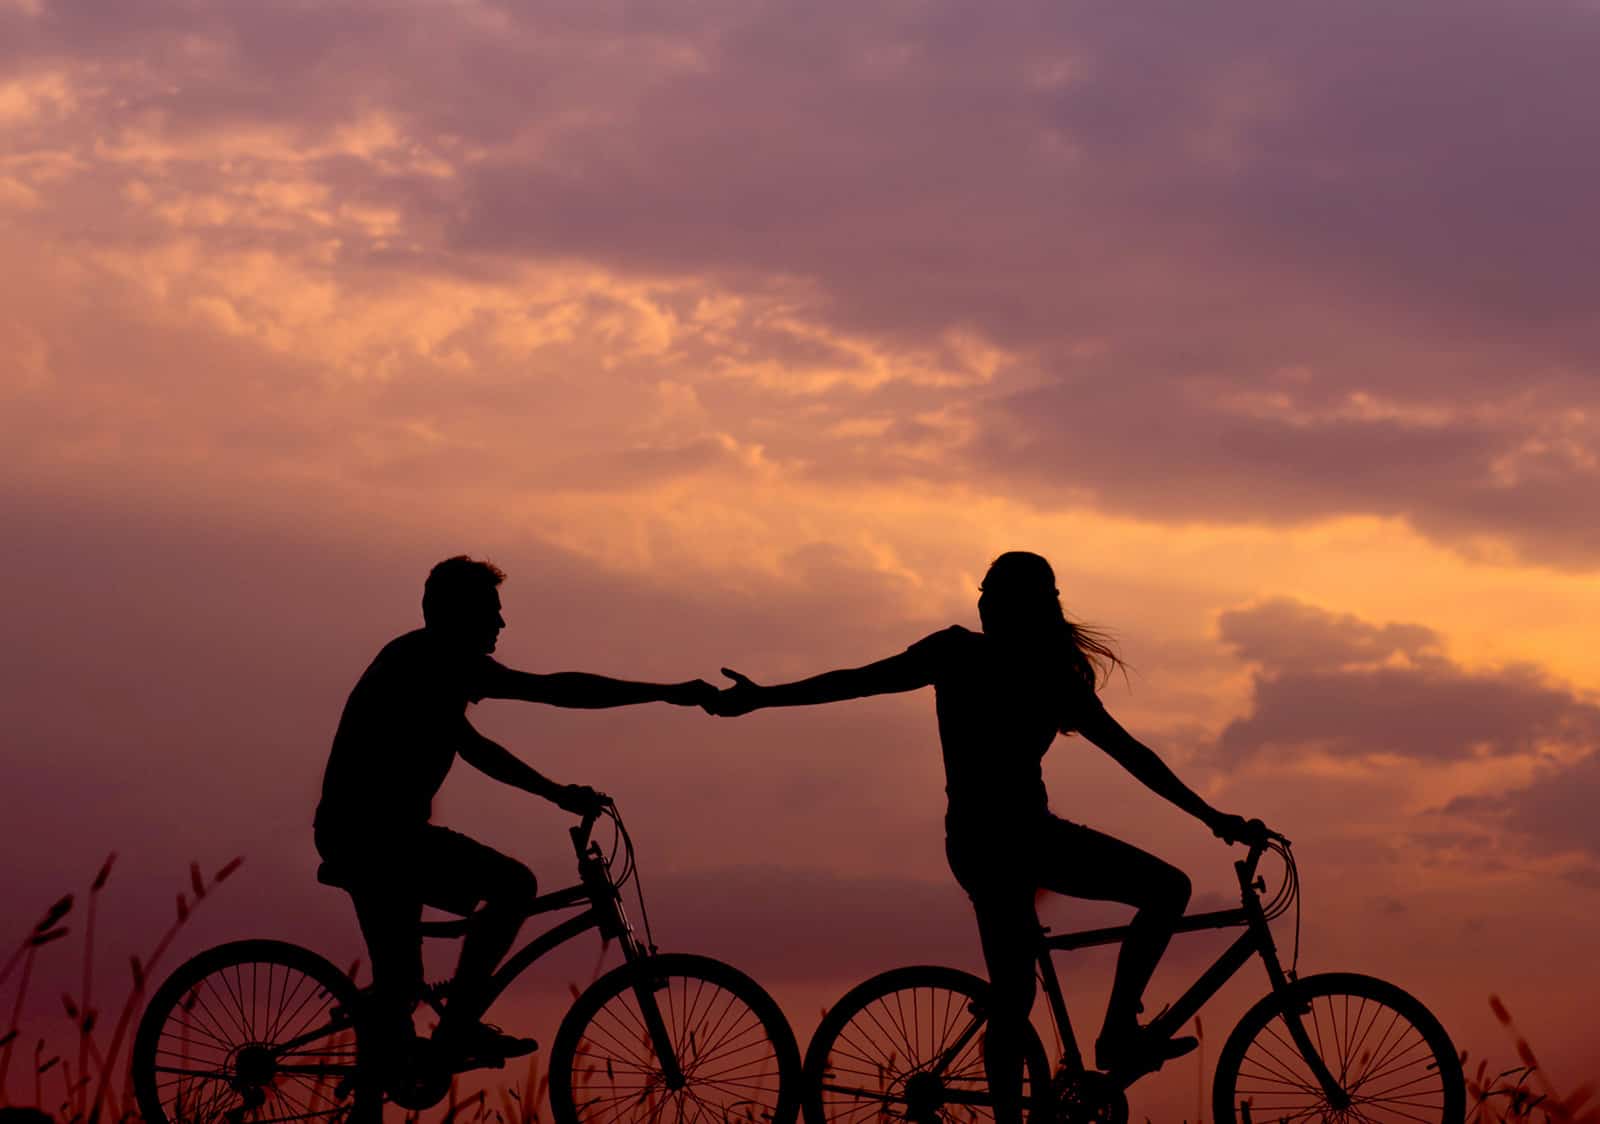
<point>1008,927</point>
<point>1084,863</point>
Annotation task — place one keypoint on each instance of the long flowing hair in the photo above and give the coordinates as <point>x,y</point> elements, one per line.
<point>1020,603</point>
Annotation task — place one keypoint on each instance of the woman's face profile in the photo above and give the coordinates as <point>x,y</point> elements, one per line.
<point>1004,613</point>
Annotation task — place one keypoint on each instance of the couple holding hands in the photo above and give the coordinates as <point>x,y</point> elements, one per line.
<point>1002,695</point>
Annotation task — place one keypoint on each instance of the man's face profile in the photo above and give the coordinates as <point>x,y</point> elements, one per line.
<point>473,620</point>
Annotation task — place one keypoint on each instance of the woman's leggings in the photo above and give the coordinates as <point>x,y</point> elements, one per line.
<point>1002,870</point>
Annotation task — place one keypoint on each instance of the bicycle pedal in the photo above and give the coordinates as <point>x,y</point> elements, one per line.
<point>487,1061</point>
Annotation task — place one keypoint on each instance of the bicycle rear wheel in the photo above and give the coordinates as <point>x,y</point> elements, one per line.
<point>251,1032</point>
<point>735,1056</point>
<point>1389,1056</point>
<point>908,1045</point>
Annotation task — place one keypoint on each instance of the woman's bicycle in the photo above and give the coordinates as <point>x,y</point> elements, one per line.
<point>261,1032</point>
<point>908,1044</point>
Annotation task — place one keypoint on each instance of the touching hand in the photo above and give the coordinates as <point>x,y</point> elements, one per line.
<point>580,799</point>
<point>741,698</point>
<point>1237,829</point>
<point>696,692</point>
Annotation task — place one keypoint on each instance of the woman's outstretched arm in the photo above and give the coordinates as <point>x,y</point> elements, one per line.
<point>1140,760</point>
<point>903,672</point>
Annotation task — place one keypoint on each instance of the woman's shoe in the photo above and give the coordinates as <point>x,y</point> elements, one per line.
<point>1139,1050</point>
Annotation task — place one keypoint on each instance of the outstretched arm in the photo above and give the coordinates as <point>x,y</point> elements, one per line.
<point>903,672</point>
<point>1140,760</point>
<point>581,690</point>
<point>495,760</point>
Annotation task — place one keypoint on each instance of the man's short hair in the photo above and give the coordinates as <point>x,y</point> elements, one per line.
<point>454,581</point>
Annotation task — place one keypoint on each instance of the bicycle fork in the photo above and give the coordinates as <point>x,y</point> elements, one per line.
<point>656,1027</point>
<point>1338,1099</point>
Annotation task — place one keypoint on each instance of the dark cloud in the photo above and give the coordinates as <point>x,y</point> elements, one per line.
<point>1187,448</point>
<point>1555,813</point>
<point>1336,683</point>
<point>1291,635</point>
<point>1156,211</point>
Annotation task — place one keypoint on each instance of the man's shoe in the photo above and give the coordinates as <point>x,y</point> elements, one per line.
<point>483,1041</point>
<point>1139,1051</point>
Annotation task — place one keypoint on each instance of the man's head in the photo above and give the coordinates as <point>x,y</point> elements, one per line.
<point>460,602</point>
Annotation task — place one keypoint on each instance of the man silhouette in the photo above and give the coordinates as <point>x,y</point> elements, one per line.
<point>401,730</point>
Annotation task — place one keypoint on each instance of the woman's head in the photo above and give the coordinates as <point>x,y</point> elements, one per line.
<point>1019,604</point>
<point>1019,596</point>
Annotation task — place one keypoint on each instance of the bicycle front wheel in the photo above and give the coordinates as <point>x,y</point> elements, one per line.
<point>1390,1058</point>
<point>732,1058</point>
<point>908,1045</point>
<point>251,1032</point>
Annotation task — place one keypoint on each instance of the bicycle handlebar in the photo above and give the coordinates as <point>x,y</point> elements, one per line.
<point>580,834</point>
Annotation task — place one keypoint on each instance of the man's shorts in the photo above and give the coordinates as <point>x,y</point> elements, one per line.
<point>428,864</point>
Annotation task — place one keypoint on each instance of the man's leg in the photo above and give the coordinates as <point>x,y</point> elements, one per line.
<point>1084,863</point>
<point>388,917</point>
<point>462,873</point>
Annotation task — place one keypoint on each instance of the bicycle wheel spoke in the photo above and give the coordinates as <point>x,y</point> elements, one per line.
<point>212,1022</point>
<point>724,1050</point>
<point>1365,1055</point>
<point>1399,1065</point>
<point>1398,1050</point>
<point>890,1035</point>
<point>1390,1060</point>
<point>919,1039</point>
<point>629,1045</point>
<point>241,1034</point>
<point>293,1019</point>
<point>865,1049</point>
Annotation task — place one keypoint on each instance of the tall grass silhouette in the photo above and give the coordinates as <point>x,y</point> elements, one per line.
<point>88,1082</point>
<point>88,1075</point>
<point>1524,1092</point>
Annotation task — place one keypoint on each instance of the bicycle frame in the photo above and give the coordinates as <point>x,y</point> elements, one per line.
<point>605,912</point>
<point>1255,941</point>
<point>600,893</point>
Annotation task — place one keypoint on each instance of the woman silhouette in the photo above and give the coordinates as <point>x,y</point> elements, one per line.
<point>1002,696</point>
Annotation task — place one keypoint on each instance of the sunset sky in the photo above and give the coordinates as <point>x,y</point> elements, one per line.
<point>745,333</point>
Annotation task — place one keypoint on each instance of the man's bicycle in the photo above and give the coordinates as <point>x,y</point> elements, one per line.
<point>261,1032</point>
<point>908,1044</point>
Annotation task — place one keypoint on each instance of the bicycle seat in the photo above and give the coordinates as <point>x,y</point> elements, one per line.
<point>332,874</point>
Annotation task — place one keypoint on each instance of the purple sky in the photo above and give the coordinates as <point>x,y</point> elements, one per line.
<point>747,334</point>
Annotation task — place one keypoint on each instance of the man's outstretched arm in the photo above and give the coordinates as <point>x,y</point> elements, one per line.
<point>581,690</point>
<point>495,760</point>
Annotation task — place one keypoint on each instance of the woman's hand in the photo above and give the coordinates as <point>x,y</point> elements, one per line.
<point>741,698</point>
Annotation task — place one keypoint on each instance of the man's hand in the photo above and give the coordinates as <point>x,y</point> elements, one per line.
<point>696,692</point>
<point>741,698</point>
<point>1237,829</point>
<point>580,799</point>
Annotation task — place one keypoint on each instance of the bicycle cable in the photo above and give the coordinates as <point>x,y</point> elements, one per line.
<point>1287,894</point>
<point>631,871</point>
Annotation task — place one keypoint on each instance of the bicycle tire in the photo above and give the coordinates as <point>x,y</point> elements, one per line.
<point>1391,1046</point>
<point>733,1044</point>
<point>210,1044</point>
<point>890,1029</point>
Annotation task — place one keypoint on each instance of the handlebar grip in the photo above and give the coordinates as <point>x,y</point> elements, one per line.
<point>580,834</point>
